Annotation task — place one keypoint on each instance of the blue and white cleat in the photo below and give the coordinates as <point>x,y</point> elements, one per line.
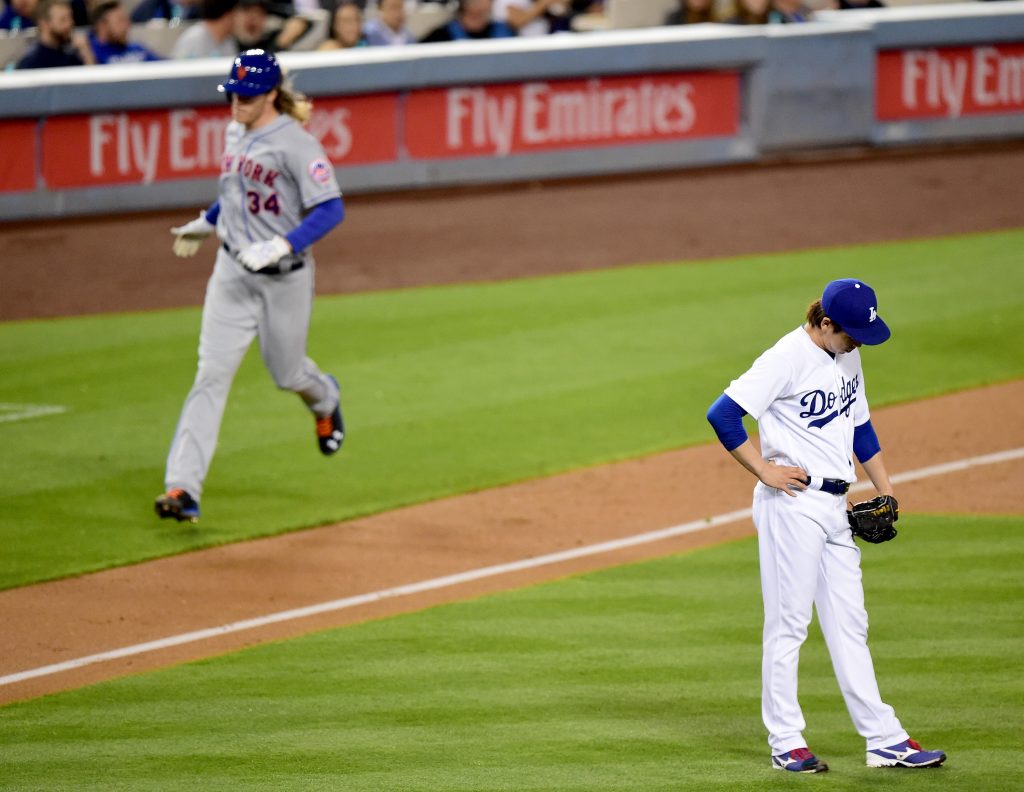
<point>908,753</point>
<point>799,760</point>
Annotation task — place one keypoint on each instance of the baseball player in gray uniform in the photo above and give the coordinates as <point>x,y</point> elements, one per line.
<point>277,196</point>
<point>807,394</point>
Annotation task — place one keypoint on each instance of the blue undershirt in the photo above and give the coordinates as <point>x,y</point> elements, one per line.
<point>321,219</point>
<point>726,417</point>
<point>865,442</point>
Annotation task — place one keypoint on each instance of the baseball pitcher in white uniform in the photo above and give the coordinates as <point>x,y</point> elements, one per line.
<point>277,196</point>
<point>808,396</point>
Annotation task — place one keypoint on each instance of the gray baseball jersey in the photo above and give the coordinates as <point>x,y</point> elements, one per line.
<point>269,177</point>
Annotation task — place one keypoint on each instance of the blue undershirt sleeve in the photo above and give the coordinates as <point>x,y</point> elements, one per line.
<point>321,219</point>
<point>213,213</point>
<point>865,442</point>
<point>726,417</point>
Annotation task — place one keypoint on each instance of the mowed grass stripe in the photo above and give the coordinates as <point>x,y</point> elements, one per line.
<point>642,677</point>
<point>433,584</point>
<point>454,389</point>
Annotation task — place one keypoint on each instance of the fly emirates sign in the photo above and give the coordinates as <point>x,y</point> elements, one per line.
<point>150,146</point>
<point>950,82</point>
<point>153,146</point>
<point>520,118</point>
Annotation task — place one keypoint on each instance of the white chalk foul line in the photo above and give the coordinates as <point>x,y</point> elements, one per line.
<point>471,575</point>
<point>22,412</point>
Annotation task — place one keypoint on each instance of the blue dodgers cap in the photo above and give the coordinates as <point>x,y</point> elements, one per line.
<point>853,306</point>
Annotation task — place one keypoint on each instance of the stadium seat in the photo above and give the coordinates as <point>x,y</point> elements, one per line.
<point>158,35</point>
<point>426,17</point>
<point>13,47</point>
<point>626,14</point>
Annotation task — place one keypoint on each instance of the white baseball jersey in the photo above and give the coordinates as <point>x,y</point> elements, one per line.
<point>806,404</point>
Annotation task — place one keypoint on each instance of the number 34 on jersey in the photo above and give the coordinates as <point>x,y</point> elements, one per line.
<point>250,169</point>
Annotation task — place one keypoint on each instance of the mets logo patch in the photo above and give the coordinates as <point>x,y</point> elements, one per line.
<point>320,171</point>
<point>240,73</point>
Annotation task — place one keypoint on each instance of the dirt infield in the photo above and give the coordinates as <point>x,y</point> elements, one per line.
<point>76,267</point>
<point>124,263</point>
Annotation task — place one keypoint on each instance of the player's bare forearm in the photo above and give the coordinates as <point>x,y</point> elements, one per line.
<point>81,44</point>
<point>781,477</point>
<point>520,17</point>
<point>875,468</point>
<point>293,29</point>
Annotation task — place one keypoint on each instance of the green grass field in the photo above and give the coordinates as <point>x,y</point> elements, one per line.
<point>639,678</point>
<point>454,389</point>
<point>643,677</point>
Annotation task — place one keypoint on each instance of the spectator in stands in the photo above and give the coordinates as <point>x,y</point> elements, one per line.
<point>750,12</point>
<point>18,15</point>
<point>346,28</point>
<point>211,37</point>
<point>534,17</point>
<point>174,11</point>
<point>332,5</point>
<point>788,11</point>
<point>691,12</point>
<point>388,29</point>
<point>473,20</point>
<point>253,31</point>
<point>58,44</point>
<point>109,36</point>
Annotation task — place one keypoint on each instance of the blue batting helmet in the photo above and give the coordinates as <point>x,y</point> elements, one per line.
<point>254,72</point>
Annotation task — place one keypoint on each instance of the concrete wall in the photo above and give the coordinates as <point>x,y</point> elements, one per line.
<point>800,86</point>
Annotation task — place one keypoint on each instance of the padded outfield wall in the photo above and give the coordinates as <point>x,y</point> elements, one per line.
<point>109,139</point>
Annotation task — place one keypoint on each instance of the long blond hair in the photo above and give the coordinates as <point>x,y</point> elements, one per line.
<point>292,102</point>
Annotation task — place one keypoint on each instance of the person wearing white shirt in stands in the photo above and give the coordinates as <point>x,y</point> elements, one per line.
<point>211,36</point>
<point>530,17</point>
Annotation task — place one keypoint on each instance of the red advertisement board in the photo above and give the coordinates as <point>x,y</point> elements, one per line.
<point>150,146</point>
<point>17,155</point>
<point>142,147</point>
<point>497,120</point>
<point>949,82</point>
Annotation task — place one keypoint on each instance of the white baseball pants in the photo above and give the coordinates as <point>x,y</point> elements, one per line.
<point>808,558</point>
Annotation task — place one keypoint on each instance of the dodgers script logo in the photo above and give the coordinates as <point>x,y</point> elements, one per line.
<point>822,408</point>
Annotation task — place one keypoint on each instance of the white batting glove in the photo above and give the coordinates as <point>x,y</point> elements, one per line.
<point>260,255</point>
<point>189,237</point>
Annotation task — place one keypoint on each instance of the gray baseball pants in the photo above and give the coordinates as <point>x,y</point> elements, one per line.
<point>240,306</point>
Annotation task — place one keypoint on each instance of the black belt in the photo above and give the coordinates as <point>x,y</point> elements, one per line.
<point>831,486</point>
<point>281,268</point>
